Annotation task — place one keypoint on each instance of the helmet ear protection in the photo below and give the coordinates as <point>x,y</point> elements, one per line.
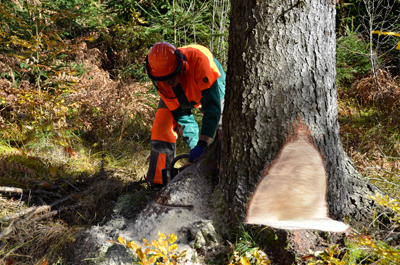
<point>181,57</point>
<point>182,65</point>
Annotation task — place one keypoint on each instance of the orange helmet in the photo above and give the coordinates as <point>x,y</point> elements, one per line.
<point>163,61</point>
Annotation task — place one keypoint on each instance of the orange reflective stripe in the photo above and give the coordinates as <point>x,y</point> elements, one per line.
<point>163,126</point>
<point>162,158</point>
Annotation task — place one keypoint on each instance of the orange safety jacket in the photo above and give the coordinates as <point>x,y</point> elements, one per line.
<point>201,72</point>
<point>201,83</point>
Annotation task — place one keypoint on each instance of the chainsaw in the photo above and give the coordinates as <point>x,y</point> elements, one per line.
<point>169,173</point>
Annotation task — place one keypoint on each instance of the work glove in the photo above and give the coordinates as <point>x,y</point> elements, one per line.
<point>197,150</point>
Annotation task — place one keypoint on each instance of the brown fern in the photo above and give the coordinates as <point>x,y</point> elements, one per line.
<point>12,166</point>
<point>384,91</point>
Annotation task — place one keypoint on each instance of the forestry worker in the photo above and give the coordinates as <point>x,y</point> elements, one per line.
<point>186,78</point>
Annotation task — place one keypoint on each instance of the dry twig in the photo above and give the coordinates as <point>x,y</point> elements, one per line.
<point>18,190</point>
<point>11,190</point>
<point>17,215</point>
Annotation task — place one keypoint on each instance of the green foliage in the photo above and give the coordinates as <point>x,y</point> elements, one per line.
<point>372,16</point>
<point>351,57</point>
<point>329,256</point>
<point>88,15</point>
<point>127,44</point>
<point>121,10</point>
<point>354,253</point>
<point>178,19</point>
<point>189,21</point>
<point>362,249</point>
<point>246,250</point>
<point>30,34</point>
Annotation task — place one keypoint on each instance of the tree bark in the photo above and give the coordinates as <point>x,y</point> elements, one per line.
<point>281,69</point>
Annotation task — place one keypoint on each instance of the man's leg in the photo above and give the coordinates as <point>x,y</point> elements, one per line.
<point>163,143</point>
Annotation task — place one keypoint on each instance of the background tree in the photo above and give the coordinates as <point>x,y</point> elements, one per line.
<point>281,68</point>
<point>182,22</point>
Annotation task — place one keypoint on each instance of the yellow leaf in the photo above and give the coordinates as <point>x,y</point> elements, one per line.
<point>121,240</point>
<point>182,254</point>
<point>172,238</point>
<point>154,243</point>
<point>398,46</point>
<point>163,249</point>
<point>173,247</point>
<point>146,243</point>
<point>244,261</point>
<point>161,236</point>
<point>162,242</point>
<point>132,245</point>
<point>152,259</point>
<point>141,255</point>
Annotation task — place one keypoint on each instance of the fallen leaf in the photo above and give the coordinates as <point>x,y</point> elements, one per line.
<point>53,171</point>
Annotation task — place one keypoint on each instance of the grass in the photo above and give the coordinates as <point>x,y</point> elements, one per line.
<point>97,167</point>
<point>371,137</point>
<point>68,163</point>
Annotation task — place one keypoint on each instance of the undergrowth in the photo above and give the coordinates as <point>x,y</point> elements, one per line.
<point>369,129</point>
<point>162,251</point>
<point>74,138</point>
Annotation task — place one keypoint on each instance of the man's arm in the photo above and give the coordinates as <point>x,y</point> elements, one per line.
<point>189,127</point>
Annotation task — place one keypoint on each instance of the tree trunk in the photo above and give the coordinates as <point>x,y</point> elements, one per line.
<point>281,69</point>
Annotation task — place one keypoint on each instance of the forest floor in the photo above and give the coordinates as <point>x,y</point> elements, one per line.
<point>55,184</point>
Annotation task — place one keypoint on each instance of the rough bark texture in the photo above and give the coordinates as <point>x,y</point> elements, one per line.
<point>282,68</point>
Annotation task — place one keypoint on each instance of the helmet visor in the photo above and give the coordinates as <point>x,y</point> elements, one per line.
<point>166,77</point>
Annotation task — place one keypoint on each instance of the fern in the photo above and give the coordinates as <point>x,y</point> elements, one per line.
<point>12,166</point>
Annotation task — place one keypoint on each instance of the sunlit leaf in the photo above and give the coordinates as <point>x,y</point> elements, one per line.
<point>172,238</point>
<point>154,243</point>
<point>152,259</point>
<point>141,255</point>
<point>173,247</point>
<point>146,243</point>
<point>121,240</point>
<point>132,245</point>
<point>244,261</point>
<point>182,254</point>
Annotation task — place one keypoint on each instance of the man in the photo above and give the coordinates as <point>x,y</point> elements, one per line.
<point>185,78</point>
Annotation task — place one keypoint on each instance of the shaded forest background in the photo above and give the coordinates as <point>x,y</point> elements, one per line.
<point>77,107</point>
